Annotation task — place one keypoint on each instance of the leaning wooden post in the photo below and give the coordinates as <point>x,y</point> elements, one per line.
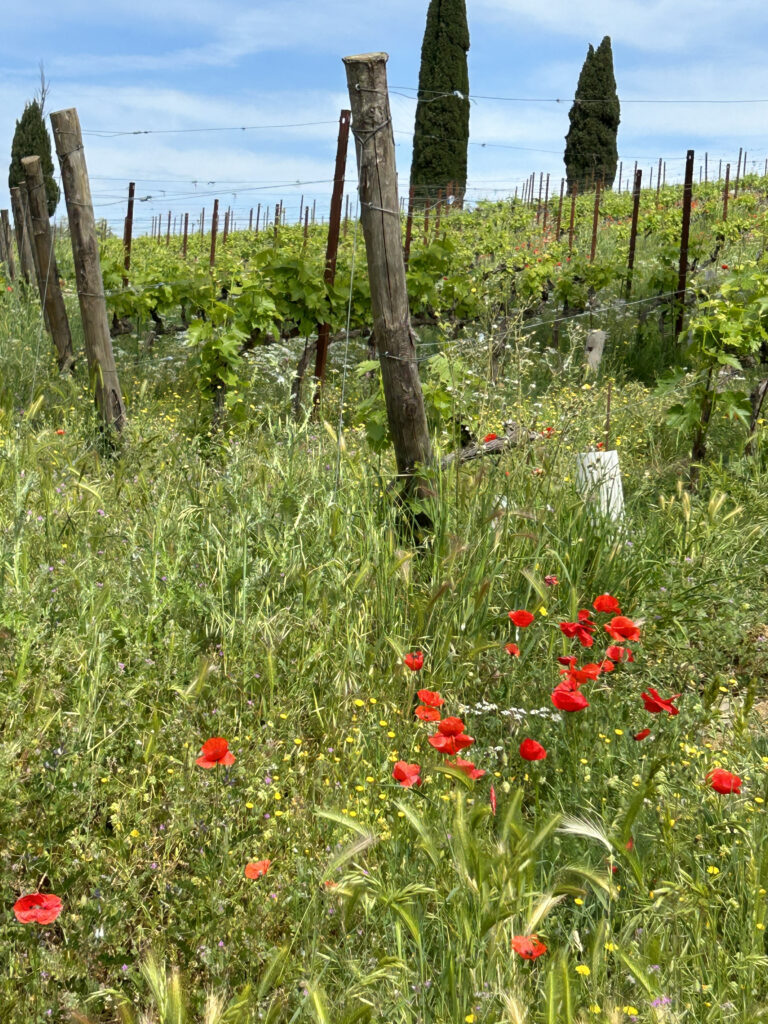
<point>186,235</point>
<point>725,191</point>
<point>5,228</point>
<point>380,216</point>
<point>573,217</point>
<point>50,291</point>
<point>128,232</point>
<point>684,234</point>
<point>85,252</point>
<point>633,230</point>
<point>332,245</point>
<point>23,244</point>
<point>546,208</point>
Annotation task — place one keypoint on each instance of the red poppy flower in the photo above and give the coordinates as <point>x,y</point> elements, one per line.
<point>579,676</point>
<point>724,782</point>
<point>450,744</point>
<point>60,432</point>
<point>215,751</point>
<point>451,726</point>
<point>257,868</point>
<point>723,266</point>
<point>568,660</point>
<point>622,628</point>
<point>530,750</point>
<point>467,767</point>
<point>431,697</point>
<point>619,653</point>
<point>642,734</point>
<point>630,844</point>
<point>569,700</point>
<point>407,774</point>
<point>581,630</point>
<point>606,603</point>
<point>414,660</point>
<point>584,615</point>
<point>489,437</point>
<point>512,650</point>
<point>521,618</point>
<point>608,666</point>
<point>37,908</point>
<point>492,799</point>
<point>655,704</point>
<point>528,946</point>
<point>551,581</point>
<point>427,714</point>
<point>547,431</point>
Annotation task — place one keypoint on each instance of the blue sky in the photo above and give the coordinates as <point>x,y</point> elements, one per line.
<point>167,65</point>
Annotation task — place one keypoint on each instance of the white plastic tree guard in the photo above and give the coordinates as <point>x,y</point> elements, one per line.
<point>598,480</point>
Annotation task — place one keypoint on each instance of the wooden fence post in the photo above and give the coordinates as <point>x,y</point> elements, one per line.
<point>546,207</point>
<point>684,235</point>
<point>332,245</point>
<point>658,179</point>
<point>214,229</point>
<point>23,243</point>
<point>50,291</point>
<point>225,232</point>
<point>3,252</point>
<point>85,252</point>
<point>394,337</point>
<point>621,167</point>
<point>186,235</point>
<point>250,220</point>
<point>5,228</point>
<point>128,232</point>
<point>725,191</point>
<point>633,230</point>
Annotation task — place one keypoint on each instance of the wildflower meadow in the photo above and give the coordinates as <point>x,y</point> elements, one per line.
<point>269,756</point>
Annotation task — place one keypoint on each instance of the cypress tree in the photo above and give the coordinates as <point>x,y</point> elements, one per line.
<point>591,153</point>
<point>441,132</point>
<point>31,138</point>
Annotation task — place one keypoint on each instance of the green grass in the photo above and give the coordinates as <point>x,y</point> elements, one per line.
<point>196,583</point>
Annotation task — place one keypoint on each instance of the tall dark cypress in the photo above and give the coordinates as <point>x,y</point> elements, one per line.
<point>591,152</point>
<point>441,132</point>
<point>31,138</point>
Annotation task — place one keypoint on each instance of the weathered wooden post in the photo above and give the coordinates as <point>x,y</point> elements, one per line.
<point>225,232</point>
<point>394,337</point>
<point>90,283</point>
<point>546,207</point>
<point>658,179</point>
<point>5,229</point>
<point>50,291</point>
<point>186,235</point>
<point>214,229</point>
<point>128,232</point>
<point>684,235</point>
<point>633,229</point>
<point>332,245</point>
<point>573,217</point>
<point>3,253</point>
<point>23,243</point>
<point>725,191</point>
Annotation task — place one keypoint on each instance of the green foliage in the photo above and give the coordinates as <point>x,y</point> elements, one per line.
<point>727,329</point>
<point>31,138</point>
<point>591,153</point>
<point>441,131</point>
